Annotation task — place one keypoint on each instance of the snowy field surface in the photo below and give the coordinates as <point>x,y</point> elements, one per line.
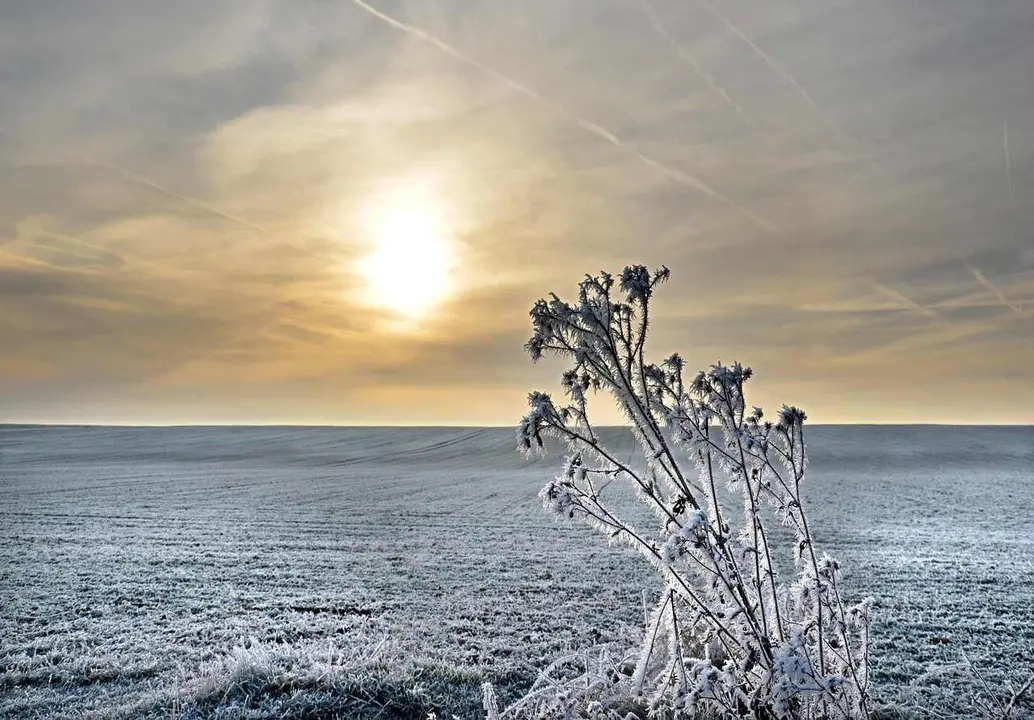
<point>330,572</point>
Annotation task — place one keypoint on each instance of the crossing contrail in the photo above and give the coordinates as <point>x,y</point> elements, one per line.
<point>1016,307</point>
<point>588,126</point>
<point>910,302</point>
<point>772,65</point>
<point>986,282</point>
<point>681,51</point>
<point>781,72</point>
<point>95,250</point>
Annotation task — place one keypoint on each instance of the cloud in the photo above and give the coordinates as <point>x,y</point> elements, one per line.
<point>185,190</point>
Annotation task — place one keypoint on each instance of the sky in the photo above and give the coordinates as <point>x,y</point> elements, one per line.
<point>340,212</point>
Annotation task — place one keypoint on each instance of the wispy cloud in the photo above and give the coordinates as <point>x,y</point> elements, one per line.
<point>587,125</point>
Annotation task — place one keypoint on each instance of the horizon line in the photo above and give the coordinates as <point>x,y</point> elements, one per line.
<point>444,426</point>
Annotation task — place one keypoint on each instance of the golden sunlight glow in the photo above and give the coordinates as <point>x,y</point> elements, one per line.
<point>408,269</point>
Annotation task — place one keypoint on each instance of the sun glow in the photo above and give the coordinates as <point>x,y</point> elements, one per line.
<point>408,269</point>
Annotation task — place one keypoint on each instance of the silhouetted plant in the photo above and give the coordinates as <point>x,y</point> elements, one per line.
<point>729,637</point>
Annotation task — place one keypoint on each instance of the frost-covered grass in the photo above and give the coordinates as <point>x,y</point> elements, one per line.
<point>304,572</point>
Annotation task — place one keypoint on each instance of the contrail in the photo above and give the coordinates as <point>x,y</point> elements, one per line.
<point>71,239</point>
<point>1014,306</point>
<point>102,252</point>
<point>586,125</point>
<point>1008,159</point>
<point>986,282</point>
<point>154,185</point>
<point>696,183</point>
<point>915,305</point>
<point>778,70</point>
<point>699,71</point>
<point>25,259</point>
<point>186,199</point>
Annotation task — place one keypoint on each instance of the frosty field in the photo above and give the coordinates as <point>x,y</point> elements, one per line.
<point>321,572</point>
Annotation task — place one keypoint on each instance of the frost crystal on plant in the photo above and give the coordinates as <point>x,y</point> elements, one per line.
<point>729,635</point>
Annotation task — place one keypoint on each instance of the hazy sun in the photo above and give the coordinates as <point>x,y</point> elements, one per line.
<point>408,268</point>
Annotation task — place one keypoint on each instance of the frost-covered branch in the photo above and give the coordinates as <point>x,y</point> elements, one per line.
<point>729,635</point>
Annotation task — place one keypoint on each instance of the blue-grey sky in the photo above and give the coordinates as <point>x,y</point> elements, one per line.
<point>199,201</point>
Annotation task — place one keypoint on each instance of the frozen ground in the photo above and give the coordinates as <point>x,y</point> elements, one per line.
<point>304,572</point>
